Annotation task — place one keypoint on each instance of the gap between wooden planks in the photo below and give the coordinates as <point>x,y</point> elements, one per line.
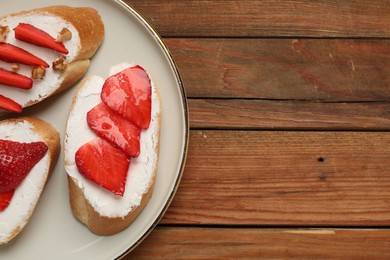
<point>229,243</point>
<point>284,178</point>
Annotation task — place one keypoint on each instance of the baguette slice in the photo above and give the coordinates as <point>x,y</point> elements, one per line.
<point>27,194</point>
<point>87,29</point>
<point>101,211</point>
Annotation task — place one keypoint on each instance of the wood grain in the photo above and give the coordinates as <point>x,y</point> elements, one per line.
<point>284,69</point>
<point>290,114</point>
<point>245,243</point>
<point>287,115</point>
<point>284,178</point>
<point>269,18</point>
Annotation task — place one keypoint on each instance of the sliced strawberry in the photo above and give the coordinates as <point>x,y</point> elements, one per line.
<point>129,94</point>
<point>14,79</point>
<point>5,199</point>
<point>31,34</point>
<point>13,54</point>
<point>103,164</point>
<point>10,105</point>
<point>115,129</point>
<point>17,160</point>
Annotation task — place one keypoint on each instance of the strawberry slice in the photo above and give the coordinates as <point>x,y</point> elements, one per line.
<point>10,105</point>
<point>103,164</point>
<point>129,94</point>
<point>31,34</point>
<point>115,129</point>
<point>13,54</point>
<point>14,79</point>
<point>17,160</point>
<point>5,199</point>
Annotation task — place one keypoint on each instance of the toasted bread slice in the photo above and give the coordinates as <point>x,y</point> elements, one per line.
<point>86,35</point>
<point>27,194</point>
<point>101,211</point>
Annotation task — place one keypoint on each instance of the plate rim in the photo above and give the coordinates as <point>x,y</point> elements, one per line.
<point>184,103</point>
<point>178,172</point>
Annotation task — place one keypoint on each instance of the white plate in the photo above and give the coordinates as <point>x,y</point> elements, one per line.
<point>53,232</point>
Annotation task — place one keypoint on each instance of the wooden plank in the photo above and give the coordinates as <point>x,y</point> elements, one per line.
<point>287,115</point>
<point>310,69</point>
<point>269,18</point>
<point>284,178</point>
<point>230,243</point>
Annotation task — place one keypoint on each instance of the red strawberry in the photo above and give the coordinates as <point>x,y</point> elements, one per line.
<point>14,79</point>
<point>129,94</point>
<point>9,105</point>
<point>11,53</point>
<point>115,129</point>
<point>31,34</point>
<point>17,160</point>
<point>103,164</point>
<point>5,199</point>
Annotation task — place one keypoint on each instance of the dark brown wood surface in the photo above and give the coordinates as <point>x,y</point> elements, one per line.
<point>261,243</point>
<point>284,178</point>
<point>289,109</point>
<point>267,18</point>
<point>284,69</point>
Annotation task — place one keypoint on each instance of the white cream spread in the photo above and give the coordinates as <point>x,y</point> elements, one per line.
<point>27,193</point>
<point>140,172</point>
<point>41,88</point>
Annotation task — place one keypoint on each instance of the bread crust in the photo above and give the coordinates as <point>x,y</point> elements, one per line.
<point>86,213</point>
<point>102,225</point>
<point>90,27</point>
<point>52,139</point>
<point>86,20</point>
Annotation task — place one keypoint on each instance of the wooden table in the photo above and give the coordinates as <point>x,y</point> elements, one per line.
<point>289,152</point>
